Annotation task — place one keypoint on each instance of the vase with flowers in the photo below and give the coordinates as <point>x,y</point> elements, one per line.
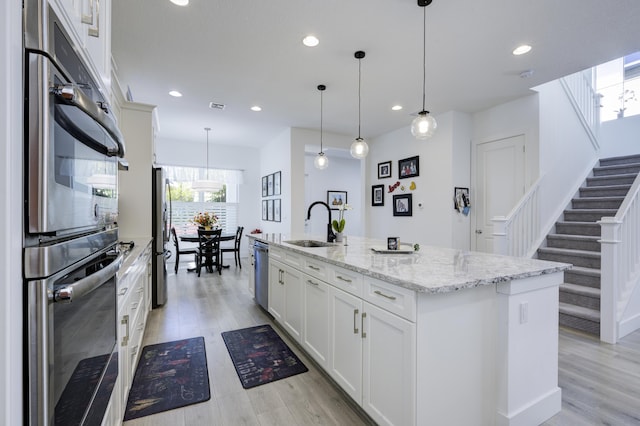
<point>206,220</point>
<point>339,224</point>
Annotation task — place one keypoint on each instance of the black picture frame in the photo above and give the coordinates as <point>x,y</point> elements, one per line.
<point>409,167</point>
<point>384,170</point>
<point>377,195</point>
<point>270,185</point>
<point>277,216</point>
<point>264,186</point>
<point>403,205</point>
<point>336,198</point>
<point>270,210</point>
<point>277,180</point>
<point>264,210</point>
<point>461,198</point>
<point>393,243</point>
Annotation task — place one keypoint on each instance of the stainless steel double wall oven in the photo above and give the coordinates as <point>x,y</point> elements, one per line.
<point>72,145</point>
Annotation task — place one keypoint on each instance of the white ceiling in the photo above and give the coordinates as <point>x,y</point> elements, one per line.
<point>246,52</point>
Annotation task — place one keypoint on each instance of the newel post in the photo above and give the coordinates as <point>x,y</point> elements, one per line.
<point>500,237</point>
<point>609,281</point>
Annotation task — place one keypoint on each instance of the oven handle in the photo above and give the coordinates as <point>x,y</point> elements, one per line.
<point>71,94</point>
<point>88,284</point>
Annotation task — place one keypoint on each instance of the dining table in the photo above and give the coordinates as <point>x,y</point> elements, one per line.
<point>193,238</point>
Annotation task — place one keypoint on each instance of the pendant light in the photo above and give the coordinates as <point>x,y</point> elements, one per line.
<point>424,125</point>
<point>359,148</point>
<point>321,161</point>
<point>206,185</point>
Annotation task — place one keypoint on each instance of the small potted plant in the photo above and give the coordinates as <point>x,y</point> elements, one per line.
<point>339,224</point>
<point>206,220</point>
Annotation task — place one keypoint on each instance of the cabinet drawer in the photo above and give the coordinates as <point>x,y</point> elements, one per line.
<point>285,256</point>
<point>392,298</point>
<point>346,280</point>
<point>316,269</point>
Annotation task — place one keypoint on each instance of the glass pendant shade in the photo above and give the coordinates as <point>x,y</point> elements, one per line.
<point>359,148</point>
<point>423,126</point>
<point>321,161</point>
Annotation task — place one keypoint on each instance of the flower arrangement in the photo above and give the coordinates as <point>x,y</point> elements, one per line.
<point>205,219</point>
<point>338,225</point>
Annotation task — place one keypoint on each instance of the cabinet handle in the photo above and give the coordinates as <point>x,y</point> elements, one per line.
<point>313,283</point>
<point>347,280</point>
<point>379,293</point>
<point>315,268</point>
<point>88,19</point>
<point>125,321</point>
<point>355,319</point>
<point>364,315</point>
<point>95,31</point>
<point>281,277</point>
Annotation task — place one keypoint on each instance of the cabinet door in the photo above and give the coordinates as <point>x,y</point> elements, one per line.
<point>345,342</point>
<point>293,302</point>
<point>316,320</point>
<point>389,370</point>
<point>276,290</point>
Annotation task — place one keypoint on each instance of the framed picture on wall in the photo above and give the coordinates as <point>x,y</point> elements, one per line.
<point>264,210</point>
<point>402,205</point>
<point>276,210</point>
<point>270,185</point>
<point>409,167</point>
<point>276,183</point>
<point>264,186</point>
<point>335,199</point>
<point>384,170</point>
<point>377,195</point>
<point>270,210</point>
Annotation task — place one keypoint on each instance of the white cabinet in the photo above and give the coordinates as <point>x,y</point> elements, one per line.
<point>315,333</point>
<point>361,330</point>
<point>285,297</point>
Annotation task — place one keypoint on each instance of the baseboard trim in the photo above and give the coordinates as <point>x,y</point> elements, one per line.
<point>537,412</point>
<point>628,326</point>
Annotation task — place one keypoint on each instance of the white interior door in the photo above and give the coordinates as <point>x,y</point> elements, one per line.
<point>500,171</point>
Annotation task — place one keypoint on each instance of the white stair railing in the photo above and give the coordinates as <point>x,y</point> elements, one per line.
<point>517,234</point>
<point>620,262</point>
<point>585,100</point>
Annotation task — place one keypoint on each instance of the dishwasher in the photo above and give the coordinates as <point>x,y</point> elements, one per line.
<point>261,270</point>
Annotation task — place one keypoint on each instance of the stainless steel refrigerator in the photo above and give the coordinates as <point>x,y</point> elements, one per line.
<point>161,226</point>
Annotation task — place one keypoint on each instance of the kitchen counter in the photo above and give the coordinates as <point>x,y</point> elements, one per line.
<point>139,245</point>
<point>428,270</point>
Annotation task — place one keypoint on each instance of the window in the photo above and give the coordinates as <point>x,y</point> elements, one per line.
<point>618,83</point>
<point>186,203</point>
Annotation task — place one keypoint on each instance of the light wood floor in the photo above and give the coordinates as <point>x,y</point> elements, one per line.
<point>600,382</point>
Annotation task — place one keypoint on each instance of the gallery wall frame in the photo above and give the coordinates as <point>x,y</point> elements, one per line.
<point>409,167</point>
<point>384,170</point>
<point>264,210</point>
<point>270,210</point>
<point>403,205</point>
<point>277,178</point>
<point>264,186</point>
<point>377,195</point>
<point>335,199</point>
<point>276,210</point>
<point>269,185</point>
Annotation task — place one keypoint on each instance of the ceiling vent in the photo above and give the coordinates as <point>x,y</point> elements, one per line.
<point>214,105</point>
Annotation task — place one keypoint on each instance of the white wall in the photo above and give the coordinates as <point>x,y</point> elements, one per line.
<point>620,137</point>
<point>343,174</point>
<point>276,156</point>
<point>172,152</point>
<point>11,358</point>
<point>434,222</point>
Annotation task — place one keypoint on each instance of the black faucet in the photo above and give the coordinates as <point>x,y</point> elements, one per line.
<point>331,237</point>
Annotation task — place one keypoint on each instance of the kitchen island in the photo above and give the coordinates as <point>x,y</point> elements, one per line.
<point>435,336</point>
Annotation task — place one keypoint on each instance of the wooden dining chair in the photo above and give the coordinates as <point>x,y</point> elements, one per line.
<point>236,246</point>
<point>176,243</point>
<point>208,250</point>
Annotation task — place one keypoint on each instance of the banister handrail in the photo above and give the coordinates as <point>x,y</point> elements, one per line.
<point>628,199</point>
<point>586,102</point>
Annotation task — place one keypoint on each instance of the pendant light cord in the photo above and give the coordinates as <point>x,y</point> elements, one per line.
<point>207,129</point>
<point>359,91</point>
<point>321,151</point>
<point>424,55</point>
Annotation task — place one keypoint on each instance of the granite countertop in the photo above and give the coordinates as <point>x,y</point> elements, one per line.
<point>429,270</point>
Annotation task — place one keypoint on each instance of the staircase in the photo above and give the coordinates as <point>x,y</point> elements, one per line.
<point>576,238</point>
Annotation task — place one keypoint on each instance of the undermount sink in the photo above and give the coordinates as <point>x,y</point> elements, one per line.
<point>309,243</point>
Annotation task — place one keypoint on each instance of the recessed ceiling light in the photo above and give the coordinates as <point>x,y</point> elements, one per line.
<point>522,49</point>
<point>175,93</point>
<point>310,41</point>
<point>256,108</point>
<point>180,2</point>
<point>396,107</point>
